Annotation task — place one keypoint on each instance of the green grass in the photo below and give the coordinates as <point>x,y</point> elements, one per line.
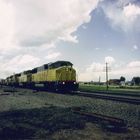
<point>92,88</point>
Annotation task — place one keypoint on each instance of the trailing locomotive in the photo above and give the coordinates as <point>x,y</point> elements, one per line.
<point>59,75</point>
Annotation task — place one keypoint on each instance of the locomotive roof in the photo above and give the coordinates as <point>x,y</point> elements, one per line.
<point>52,65</point>
<point>62,62</point>
<point>59,64</point>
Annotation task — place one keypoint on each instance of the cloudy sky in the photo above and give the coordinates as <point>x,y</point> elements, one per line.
<point>86,32</point>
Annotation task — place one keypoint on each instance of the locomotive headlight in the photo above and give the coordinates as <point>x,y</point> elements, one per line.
<point>63,83</point>
<point>74,82</point>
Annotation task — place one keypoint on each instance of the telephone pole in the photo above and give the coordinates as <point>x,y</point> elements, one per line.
<point>107,76</point>
<point>99,80</point>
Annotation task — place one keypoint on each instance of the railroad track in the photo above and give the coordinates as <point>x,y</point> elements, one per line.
<point>118,98</point>
<point>105,96</point>
<point>121,93</point>
<point>107,122</point>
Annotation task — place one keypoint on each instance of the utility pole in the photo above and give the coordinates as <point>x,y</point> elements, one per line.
<point>106,76</point>
<point>99,80</point>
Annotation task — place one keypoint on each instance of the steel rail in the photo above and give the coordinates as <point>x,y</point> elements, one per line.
<point>109,97</point>
<point>108,122</point>
<point>121,93</point>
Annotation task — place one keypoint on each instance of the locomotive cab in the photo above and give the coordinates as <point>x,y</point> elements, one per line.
<point>65,75</point>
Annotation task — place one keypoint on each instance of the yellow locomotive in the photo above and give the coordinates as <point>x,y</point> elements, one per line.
<point>59,75</point>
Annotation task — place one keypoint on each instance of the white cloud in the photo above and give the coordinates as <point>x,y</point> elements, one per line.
<point>109,59</point>
<point>135,47</point>
<point>95,70</point>
<point>134,64</point>
<point>97,48</point>
<point>131,11</point>
<point>18,64</point>
<point>7,22</point>
<point>95,67</point>
<point>84,27</point>
<point>30,29</point>
<point>53,55</point>
<point>128,70</point>
<point>124,15</point>
<point>110,49</point>
<point>39,22</point>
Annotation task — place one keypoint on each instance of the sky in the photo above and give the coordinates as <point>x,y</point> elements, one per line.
<point>88,33</point>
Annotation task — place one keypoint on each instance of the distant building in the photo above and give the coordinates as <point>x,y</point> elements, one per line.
<point>122,83</point>
<point>1,81</point>
<point>114,82</point>
<point>129,83</point>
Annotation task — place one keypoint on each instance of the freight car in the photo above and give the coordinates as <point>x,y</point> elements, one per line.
<point>59,75</point>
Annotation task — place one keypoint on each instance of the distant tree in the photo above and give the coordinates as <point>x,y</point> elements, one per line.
<point>122,78</point>
<point>136,81</point>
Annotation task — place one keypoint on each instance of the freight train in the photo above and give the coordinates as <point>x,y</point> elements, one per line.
<point>59,75</point>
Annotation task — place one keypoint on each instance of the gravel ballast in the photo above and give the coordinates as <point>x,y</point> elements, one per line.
<point>27,99</point>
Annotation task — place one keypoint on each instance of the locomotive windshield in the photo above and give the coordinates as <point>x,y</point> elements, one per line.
<point>60,64</point>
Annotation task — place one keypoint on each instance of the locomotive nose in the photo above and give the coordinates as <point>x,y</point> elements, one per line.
<point>65,74</point>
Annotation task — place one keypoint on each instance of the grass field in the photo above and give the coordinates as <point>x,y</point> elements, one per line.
<point>92,88</point>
